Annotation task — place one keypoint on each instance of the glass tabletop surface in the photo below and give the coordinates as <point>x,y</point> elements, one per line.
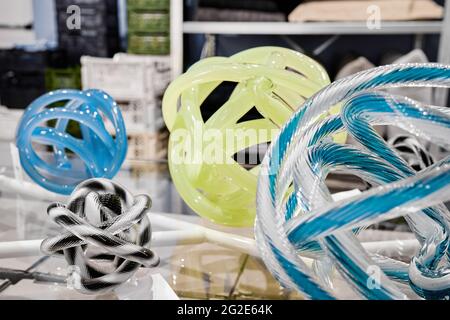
<point>189,271</point>
<point>198,271</point>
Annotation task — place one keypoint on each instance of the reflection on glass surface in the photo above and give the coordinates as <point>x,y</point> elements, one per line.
<point>203,271</point>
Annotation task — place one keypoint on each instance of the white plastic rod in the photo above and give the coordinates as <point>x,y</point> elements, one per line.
<point>27,248</point>
<point>389,248</point>
<point>224,239</point>
<point>393,248</point>
<point>29,189</point>
<point>32,190</point>
<point>184,232</point>
<point>16,249</point>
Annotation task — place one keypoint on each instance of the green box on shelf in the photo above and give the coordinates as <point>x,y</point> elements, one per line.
<point>145,21</point>
<point>67,78</point>
<point>153,44</point>
<point>156,5</point>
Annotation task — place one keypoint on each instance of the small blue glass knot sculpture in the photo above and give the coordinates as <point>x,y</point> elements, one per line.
<point>307,222</point>
<point>100,153</point>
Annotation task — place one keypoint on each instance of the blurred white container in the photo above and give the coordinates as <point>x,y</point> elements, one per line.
<point>140,116</point>
<point>147,146</point>
<point>127,77</point>
<point>157,69</point>
<point>9,118</point>
<point>17,13</point>
<point>123,81</point>
<point>137,83</point>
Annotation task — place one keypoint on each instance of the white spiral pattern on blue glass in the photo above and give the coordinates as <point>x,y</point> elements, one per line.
<point>101,154</point>
<point>307,221</point>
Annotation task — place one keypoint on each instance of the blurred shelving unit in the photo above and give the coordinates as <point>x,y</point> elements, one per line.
<point>419,28</point>
<point>310,28</point>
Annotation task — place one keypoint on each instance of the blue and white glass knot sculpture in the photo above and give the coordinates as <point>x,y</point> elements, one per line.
<point>100,153</point>
<point>306,222</point>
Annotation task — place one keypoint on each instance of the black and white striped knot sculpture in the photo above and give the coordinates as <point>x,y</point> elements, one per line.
<point>107,234</point>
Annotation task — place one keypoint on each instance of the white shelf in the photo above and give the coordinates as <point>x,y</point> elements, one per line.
<point>311,28</point>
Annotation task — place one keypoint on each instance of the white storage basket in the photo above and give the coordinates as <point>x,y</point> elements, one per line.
<point>127,77</point>
<point>147,146</point>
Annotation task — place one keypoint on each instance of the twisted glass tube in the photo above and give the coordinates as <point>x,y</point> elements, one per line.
<point>106,217</point>
<point>101,154</point>
<point>308,222</point>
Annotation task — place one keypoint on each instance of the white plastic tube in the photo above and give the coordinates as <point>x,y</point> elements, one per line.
<point>189,233</point>
<point>182,232</point>
<point>28,189</point>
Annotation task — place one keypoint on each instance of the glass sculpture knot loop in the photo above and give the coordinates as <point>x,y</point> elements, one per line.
<point>107,235</point>
<point>83,132</point>
<point>202,152</point>
<point>296,215</point>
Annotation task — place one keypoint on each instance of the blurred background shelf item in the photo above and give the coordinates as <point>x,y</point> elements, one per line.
<point>148,27</point>
<point>137,83</point>
<point>147,146</point>
<point>9,118</point>
<point>253,5</point>
<point>98,33</point>
<point>151,22</point>
<point>157,69</point>
<point>18,89</point>
<point>141,116</point>
<point>9,37</point>
<point>17,13</point>
<point>310,28</point>
<point>389,10</point>
<point>150,44</point>
<point>155,5</point>
<point>23,74</point>
<point>16,17</point>
<point>63,78</point>
<point>127,77</point>
<point>215,14</point>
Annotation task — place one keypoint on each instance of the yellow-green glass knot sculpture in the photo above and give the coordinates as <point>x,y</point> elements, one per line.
<point>276,81</point>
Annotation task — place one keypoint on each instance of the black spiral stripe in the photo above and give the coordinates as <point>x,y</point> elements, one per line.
<point>412,151</point>
<point>99,217</point>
